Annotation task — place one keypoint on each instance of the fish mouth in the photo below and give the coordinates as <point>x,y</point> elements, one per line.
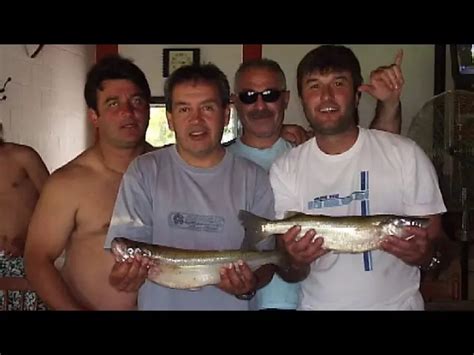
<point>125,251</point>
<point>412,222</point>
<point>120,249</point>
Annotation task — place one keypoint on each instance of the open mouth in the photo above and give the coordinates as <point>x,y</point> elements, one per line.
<point>130,125</point>
<point>329,109</point>
<point>198,134</point>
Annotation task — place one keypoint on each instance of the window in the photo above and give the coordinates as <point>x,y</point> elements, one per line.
<point>158,133</point>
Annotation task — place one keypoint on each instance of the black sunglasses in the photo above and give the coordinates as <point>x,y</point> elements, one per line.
<point>250,96</point>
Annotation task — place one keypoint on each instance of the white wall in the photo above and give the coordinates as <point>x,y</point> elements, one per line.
<point>45,107</point>
<point>417,66</point>
<point>150,59</point>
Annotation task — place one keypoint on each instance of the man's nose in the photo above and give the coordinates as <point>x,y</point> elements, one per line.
<point>327,92</point>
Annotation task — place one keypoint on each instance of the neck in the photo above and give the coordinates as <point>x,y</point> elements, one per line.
<point>204,160</point>
<point>118,159</point>
<point>259,142</point>
<point>337,143</point>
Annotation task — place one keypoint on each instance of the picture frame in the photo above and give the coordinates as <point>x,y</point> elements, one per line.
<point>174,58</point>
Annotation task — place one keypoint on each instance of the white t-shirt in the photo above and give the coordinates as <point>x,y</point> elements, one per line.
<point>380,173</point>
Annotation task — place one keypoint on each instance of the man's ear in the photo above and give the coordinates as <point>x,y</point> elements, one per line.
<point>357,98</point>
<point>286,98</point>
<point>169,118</point>
<point>227,114</point>
<point>233,98</point>
<point>93,117</point>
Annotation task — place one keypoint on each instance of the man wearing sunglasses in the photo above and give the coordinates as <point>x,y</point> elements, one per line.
<point>261,100</point>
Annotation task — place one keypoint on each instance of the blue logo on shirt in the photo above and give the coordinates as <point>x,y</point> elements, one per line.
<point>196,222</point>
<point>334,200</point>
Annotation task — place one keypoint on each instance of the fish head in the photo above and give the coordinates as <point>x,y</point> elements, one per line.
<point>395,225</point>
<point>126,249</point>
<point>120,249</point>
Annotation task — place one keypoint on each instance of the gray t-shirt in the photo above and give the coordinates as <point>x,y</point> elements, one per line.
<point>163,200</point>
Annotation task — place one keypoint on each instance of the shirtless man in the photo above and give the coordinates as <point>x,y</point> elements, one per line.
<point>22,175</point>
<point>76,205</point>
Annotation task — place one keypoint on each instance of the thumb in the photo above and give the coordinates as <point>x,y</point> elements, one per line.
<point>399,57</point>
<point>366,88</point>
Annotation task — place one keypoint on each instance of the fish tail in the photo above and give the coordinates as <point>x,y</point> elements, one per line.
<point>254,231</point>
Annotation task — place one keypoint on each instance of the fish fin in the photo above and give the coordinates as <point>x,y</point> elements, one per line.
<point>289,214</point>
<point>254,232</point>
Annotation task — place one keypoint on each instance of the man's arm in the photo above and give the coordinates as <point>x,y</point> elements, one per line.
<point>51,225</point>
<point>283,180</point>
<point>132,217</point>
<point>420,249</point>
<point>388,117</point>
<point>386,85</point>
<point>239,279</point>
<point>34,166</point>
<point>421,197</point>
<point>295,134</point>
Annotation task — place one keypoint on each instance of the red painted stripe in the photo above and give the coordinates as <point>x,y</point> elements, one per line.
<point>251,51</point>
<point>103,50</point>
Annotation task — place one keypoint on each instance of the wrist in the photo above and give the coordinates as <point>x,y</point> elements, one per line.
<point>247,296</point>
<point>297,266</point>
<point>432,263</point>
<point>390,104</point>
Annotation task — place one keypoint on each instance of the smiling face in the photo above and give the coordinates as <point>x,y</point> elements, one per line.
<point>329,101</point>
<point>198,118</point>
<point>262,118</point>
<point>122,114</point>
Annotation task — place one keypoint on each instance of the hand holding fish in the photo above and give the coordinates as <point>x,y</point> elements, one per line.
<point>237,279</point>
<point>305,250</point>
<point>129,275</point>
<point>415,250</point>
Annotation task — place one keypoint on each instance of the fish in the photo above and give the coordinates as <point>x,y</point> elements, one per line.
<point>192,269</point>
<point>342,234</point>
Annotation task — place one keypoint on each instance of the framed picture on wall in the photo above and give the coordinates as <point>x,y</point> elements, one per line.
<point>173,58</point>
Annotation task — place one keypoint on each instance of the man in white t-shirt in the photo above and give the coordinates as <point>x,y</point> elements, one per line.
<point>349,170</point>
<point>261,98</point>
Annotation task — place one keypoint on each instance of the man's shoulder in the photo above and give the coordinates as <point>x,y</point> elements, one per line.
<point>82,167</point>
<point>291,154</point>
<point>154,155</point>
<point>243,164</point>
<point>19,150</point>
<point>397,141</point>
<point>389,136</point>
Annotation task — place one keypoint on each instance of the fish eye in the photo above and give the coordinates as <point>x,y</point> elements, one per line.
<point>130,251</point>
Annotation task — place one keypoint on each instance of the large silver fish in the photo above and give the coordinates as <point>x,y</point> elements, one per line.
<point>353,234</point>
<point>190,269</point>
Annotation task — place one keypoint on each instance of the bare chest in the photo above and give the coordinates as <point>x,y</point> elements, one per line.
<point>13,178</point>
<point>96,204</point>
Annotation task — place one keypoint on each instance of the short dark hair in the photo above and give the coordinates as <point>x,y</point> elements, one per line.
<point>109,68</point>
<point>208,73</point>
<point>263,63</point>
<point>328,58</point>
